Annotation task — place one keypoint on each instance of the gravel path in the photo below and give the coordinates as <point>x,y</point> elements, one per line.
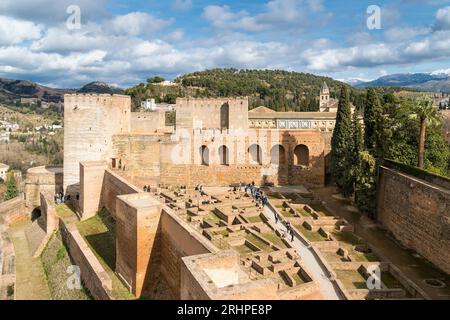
<point>327,287</point>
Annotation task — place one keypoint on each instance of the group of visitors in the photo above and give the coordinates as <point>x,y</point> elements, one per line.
<point>59,198</point>
<point>289,228</point>
<point>256,193</point>
<point>147,189</point>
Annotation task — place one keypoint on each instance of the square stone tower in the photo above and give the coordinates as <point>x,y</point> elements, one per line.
<point>90,121</point>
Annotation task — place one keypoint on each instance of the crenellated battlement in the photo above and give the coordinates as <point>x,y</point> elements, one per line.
<point>91,98</point>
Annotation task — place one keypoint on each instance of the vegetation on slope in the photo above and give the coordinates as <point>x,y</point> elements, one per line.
<point>55,260</point>
<point>276,89</point>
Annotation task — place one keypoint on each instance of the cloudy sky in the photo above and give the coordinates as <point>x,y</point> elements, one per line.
<point>124,42</point>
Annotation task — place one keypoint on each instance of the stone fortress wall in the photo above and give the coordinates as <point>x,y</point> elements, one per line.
<point>90,121</point>
<point>213,144</point>
<point>417,213</point>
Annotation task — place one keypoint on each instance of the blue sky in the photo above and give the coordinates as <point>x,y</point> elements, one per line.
<point>125,42</point>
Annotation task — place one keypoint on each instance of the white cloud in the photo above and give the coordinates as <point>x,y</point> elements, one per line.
<point>13,31</point>
<point>443,18</point>
<point>281,14</point>
<point>397,34</point>
<point>135,24</point>
<point>52,12</point>
<point>183,4</point>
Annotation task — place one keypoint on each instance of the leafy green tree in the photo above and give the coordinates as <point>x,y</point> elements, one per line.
<point>426,114</point>
<point>365,192</point>
<point>11,187</point>
<point>156,79</point>
<point>342,146</point>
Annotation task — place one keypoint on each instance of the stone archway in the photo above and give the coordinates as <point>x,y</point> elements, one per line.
<point>255,154</point>
<point>301,155</point>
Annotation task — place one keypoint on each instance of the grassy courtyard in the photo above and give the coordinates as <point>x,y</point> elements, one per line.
<point>313,236</point>
<point>99,232</point>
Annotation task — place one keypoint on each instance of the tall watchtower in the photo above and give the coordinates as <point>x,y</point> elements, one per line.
<point>324,95</point>
<point>90,121</point>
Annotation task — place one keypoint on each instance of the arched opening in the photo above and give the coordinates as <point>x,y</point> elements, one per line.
<point>301,153</point>
<point>278,155</point>
<point>255,153</point>
<point>36,214</point>
<point>204,155</point>
<point>224,156</point>
<point>225,116</point>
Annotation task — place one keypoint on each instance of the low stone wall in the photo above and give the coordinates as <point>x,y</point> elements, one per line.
<point>13,210</point>
<point>178,240</point>
<point>417,213</point>
<point>48,213</point>
<point>307,291</point>
<point>93,275</point>
<point>114,185</point>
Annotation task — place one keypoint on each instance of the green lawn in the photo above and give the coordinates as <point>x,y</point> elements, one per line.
<point>254,219</point>
<point>276,240</point>
<point>351,279</point>
<point>55,260</point>
<point>347,237</point>
<point>299,279</point>
<point>65,211</point>
<point>224,233</point>
<point>303,212</point>
<point>243,249</point>
<point>389,281</point>
<point>365,257</point>
<point>312,236</point>
<point>212,219</point>
<point>321,210</point>
<point>99,232</point>
<point>258,242</point>
<point>288,214</point>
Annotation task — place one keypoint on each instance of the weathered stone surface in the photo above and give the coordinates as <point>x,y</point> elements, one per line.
<point>417,213</point>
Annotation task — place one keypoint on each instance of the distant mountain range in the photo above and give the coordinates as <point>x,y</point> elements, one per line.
<point>438,81</point>
<point>11,90</point>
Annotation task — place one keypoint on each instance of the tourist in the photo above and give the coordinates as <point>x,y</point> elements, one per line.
<point>264,201</point>
<point>240,186</point>
<point>292,235</point>
<point>276,217</point>
<point>288,227</point>
<point>145,188</point>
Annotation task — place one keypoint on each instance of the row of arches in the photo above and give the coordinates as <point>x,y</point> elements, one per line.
<point>277,155</point>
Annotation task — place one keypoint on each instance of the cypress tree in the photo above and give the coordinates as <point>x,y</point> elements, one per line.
<point>358,144</point>
<point>372,114</point>
<point>342,146</point>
